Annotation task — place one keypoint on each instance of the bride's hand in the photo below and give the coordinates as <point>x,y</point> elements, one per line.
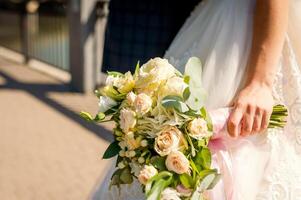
<point>252,110</point>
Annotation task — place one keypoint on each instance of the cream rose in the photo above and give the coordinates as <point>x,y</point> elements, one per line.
<point>177,162</point>
<point>142,103</point>
<point>152,74</point>
<point>146,173</point>
<point>105,103</point>
<point>168,140</point>
<point>127,120</point>
<point>130,97</point>
<point>198,129</point>
<point>170,194</point>
<point>174,86</point>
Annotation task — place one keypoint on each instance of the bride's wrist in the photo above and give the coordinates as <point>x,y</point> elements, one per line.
<point>261,84</point>
<point>262,80</point>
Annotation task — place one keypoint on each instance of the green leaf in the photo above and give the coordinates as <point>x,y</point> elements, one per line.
<point>186,180</point>
<point>186,94</point>
<point>99,117</point>
<point>115,179</point>
<point>114,73</point>
<point>87,116</point>
<point>203,158</point>
<point>126,176</point>
<point>112,150</point>
<point>158,162</point>
<point>174,102</point>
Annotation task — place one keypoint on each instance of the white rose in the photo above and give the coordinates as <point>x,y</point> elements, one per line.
<point>152,74</point>
<point>146,173</point>
<point>105,103</point>
<point>142,103</point>
<point>198,129</point>
<point>177,162</point>
<point>130,97</point>
<point>174,86</point>
<point>111,80</point>
<point>170,194</point>
<point>168,140</point>
<point>127,120</point>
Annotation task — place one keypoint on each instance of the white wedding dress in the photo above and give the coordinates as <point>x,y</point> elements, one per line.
<point>219,32</point>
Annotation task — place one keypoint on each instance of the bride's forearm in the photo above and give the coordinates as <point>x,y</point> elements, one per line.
<point>270,24</point>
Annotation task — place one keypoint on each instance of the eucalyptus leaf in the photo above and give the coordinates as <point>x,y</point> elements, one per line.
<point>156,190</point>
<point>193,69</point>
<point>112,150</point>
<point>215,181</point>
<point>174,102</point>
<point>206,182</point>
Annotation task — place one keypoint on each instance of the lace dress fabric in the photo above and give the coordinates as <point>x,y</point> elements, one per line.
<point>220,33</point>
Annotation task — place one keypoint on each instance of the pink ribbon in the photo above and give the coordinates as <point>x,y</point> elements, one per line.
<point>220,144</point>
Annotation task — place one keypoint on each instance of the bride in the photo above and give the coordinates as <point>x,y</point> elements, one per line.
<point>251,54</point>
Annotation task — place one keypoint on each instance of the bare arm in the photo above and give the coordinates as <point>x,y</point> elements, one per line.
<point>254,103</point>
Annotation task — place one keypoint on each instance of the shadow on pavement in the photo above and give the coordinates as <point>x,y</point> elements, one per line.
<point>39,91</point>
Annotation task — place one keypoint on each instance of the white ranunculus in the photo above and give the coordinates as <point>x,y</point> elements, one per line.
<point>177,162</point>
<point>198,129</point>
<point>170,194</point>
<point>152,74</point>
<point>146,173</point>
<point>130,97</point>
<point>105,103</point>
<point>174,86</point>
<point>127,120</point>
<point>124,83</point>
<point>168,140</point>
<point>143,103</point>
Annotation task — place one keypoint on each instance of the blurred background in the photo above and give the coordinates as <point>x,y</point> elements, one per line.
<point>53,54</point>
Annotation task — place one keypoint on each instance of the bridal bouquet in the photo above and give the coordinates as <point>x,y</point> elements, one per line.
<point>162,131</point>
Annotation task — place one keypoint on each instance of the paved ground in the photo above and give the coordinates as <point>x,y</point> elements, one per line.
<point>46,151</point>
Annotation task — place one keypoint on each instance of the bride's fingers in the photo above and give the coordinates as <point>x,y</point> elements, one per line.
<point>234,121</point>
<point>265,120</point>
<point>257,121</point>
<point>248,120</point>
